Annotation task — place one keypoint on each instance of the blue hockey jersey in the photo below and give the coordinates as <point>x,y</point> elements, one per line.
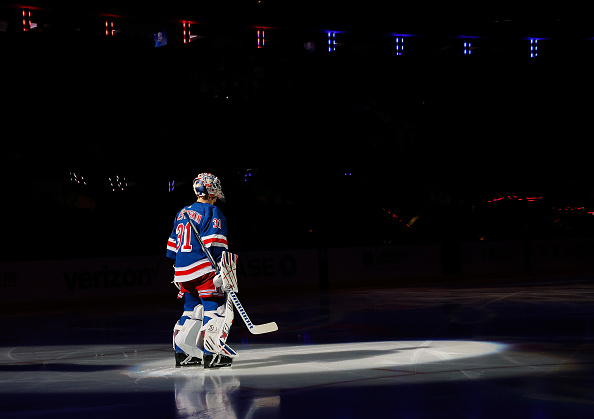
<point>190,260</point>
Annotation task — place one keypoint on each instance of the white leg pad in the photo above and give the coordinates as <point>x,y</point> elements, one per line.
<point>216,330</point>
<point>198,313</point>
<point>186,336</point>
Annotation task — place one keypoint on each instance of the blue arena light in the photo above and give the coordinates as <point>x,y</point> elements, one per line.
<point>467,48</point>
<point>331,41</point>
<point>533,48</point>
<point>399,45</point>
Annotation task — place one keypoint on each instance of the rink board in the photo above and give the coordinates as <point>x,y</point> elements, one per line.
<point>58,280</point>
<point>310,269</point>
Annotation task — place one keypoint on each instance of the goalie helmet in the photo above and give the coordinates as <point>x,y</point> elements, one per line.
<point>208,185</point>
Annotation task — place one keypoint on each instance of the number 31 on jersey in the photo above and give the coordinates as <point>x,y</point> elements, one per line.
<point>184,234</point>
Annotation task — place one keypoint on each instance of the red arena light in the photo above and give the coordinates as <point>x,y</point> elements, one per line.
<point>26,20</point>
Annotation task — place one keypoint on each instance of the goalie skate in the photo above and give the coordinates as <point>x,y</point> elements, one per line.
<point>217,361</point>
<point>185,360</point>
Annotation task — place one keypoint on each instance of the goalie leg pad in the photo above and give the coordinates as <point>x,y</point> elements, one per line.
<point>216,330</point>
<point>186,339</point>
<point>185,336</point>
<point>198,313</point>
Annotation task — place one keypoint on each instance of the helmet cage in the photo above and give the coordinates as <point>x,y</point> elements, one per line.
<point>208,185</point>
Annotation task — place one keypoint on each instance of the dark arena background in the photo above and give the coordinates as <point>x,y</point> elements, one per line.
<point>408,185</point>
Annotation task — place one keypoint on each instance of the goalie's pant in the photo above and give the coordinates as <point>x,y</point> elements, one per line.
<point>204,326</point>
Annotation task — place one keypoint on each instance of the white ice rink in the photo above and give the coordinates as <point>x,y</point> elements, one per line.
<point>338,371</point>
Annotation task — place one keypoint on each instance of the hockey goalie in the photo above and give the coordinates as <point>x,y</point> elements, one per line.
<point>200,335</point>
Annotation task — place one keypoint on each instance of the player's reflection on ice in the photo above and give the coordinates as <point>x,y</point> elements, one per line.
<point>209,395</point>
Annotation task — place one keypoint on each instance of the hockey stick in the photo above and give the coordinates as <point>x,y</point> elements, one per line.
<point>255,329</point>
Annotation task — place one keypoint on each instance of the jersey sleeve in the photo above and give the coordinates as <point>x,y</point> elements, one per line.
<point>172,242</point>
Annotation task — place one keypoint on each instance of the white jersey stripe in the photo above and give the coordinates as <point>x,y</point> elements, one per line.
<point>215,240</point>
<point>172,245</point>
<point>193,271</point>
